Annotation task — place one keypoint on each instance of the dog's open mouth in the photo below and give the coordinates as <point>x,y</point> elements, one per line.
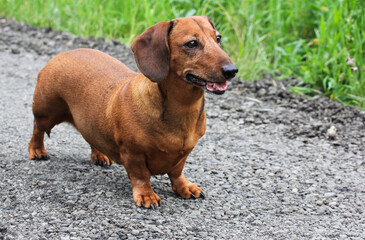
<point>213,87</point>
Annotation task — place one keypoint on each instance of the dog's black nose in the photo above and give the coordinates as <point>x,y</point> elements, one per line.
<point>229,71</point>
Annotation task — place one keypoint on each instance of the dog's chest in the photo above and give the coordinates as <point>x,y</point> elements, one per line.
<point>168,155</point>
<point>177,144</point>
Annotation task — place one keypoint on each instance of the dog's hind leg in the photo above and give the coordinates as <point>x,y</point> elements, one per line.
<point>99,158</point>
<point>48,110</point>
<point>36,146</point>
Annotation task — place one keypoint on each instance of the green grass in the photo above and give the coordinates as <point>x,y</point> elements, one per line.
<point>310,40</point>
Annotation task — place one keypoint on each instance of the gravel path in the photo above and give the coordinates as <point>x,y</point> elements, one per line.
<point>271,163</point>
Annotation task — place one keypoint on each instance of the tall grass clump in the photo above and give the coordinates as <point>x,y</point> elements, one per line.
<point>321,42</point>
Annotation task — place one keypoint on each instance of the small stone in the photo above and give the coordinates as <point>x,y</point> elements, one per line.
<point>333,204</point>
<point>3,229</point>
<point>225,107</point>
<point>135,232</point>
<point>331,132</point>
<point>257,222</point>
<point>15,51</point>
<point>329,194</point>
<point>262,92</point>
<point>250,119</point>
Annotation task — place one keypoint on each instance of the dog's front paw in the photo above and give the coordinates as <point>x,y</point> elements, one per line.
<point>190,190</point>
<point>38,154</point>
<point>185,188</point>
<point>146,198</point>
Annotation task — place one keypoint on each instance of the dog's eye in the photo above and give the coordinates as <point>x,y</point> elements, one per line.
<point>219,39</point>
<point>192,44</point>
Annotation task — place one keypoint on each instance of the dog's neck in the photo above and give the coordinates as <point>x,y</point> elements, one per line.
<point>181,101</point>
<point>180,92</point>
<point>173,98</point>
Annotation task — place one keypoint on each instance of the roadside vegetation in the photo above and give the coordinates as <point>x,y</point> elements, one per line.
<point>320,42</point>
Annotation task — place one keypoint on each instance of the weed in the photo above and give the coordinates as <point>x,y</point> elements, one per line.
<point>311,40</point>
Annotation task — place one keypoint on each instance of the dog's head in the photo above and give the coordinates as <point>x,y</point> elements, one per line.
<point>187,47</point>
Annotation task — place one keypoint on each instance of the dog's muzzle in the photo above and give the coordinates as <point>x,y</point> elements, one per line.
<point>213,87</point>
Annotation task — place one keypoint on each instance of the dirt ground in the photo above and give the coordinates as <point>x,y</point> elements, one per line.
<point>274,165</point>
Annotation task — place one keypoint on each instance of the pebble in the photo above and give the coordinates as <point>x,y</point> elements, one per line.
<point>15,51</point>
<point>329,194</point>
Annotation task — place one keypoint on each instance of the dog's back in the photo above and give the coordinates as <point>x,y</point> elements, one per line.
<point>72,84</point>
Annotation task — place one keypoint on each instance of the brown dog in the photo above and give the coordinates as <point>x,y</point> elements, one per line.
<point>149,122</point>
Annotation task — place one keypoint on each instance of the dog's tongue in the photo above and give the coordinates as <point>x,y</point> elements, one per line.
<point>222,86</point>
<point>217,86</point>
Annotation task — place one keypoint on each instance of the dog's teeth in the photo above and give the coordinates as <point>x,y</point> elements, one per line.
<point>214,86</point>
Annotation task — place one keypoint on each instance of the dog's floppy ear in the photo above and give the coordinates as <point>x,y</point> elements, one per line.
<point>152,53</point>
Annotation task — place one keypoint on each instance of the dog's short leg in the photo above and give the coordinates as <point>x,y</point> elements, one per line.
<point>140,175</point>
<point>143,195</point>
<point>183,186</point>
<point>36,145</point>
<point>99,158</point>
<point>48,110</point>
